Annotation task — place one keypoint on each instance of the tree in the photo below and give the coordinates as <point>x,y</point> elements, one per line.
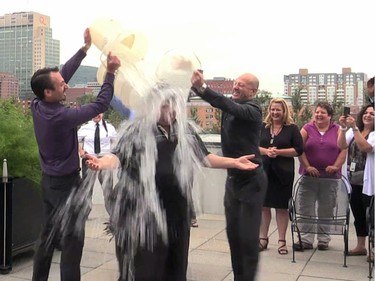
<point>86,99</point>
<point>338,108</point>
<point>114,117</point>
<point>17,141</point>
<point>194,115</point>
<point>216,128</point>
<point>296,101</point>
<point>302,112</point>
<point>263,98</point>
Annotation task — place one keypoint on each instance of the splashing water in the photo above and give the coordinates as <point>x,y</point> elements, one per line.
<point>137,215</point>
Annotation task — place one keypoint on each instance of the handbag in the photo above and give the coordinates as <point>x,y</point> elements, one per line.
<point>358,158</point>
<point>356,178</point>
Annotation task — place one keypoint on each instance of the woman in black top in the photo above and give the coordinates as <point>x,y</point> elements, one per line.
<point>280,142</point>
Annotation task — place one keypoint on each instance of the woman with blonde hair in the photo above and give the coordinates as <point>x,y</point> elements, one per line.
<point>280,142</point>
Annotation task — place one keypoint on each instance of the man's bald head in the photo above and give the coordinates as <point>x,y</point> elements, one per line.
<point>245,87</point>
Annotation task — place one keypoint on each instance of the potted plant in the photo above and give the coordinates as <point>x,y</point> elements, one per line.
<point>21,210</point>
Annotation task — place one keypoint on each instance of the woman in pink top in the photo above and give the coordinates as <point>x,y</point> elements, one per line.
<point>322,158</point>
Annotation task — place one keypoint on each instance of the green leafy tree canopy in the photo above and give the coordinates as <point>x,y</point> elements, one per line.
<point>302,112</point>
<point>263,98</point>
<point>17,141</point>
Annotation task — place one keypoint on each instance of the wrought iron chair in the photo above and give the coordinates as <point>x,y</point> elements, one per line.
<point>320,206</point>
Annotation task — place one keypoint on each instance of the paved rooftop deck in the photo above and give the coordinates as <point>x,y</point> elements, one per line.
<point>209,258</point>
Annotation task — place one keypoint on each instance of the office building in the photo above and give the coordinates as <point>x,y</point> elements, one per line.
<point>9,86</point>
<point>95,86</point>
<point>26,45</point>
<point>348,87</point>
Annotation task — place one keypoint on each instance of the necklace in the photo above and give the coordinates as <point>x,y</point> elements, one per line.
<point>274,133</point>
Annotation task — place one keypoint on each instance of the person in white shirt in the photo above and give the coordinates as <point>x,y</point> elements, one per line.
<point>98,148</point>
<point>359,137</point>
<point>86,136</point>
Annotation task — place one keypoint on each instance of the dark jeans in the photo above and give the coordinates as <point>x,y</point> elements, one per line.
<point>163,262</point>
<point>55,191</point>
<point>243,203</point>
<point>358,203</point>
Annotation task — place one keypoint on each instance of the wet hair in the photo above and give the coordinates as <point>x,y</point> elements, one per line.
<point>41,80</point>
<point>287,118</point>
<point>164,93</point>
<point>359,121</point>
<point>326,106</point>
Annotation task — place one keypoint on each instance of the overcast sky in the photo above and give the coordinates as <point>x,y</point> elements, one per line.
<point>267,38</point>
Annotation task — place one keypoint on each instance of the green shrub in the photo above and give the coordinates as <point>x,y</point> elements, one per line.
<point>17,141</point>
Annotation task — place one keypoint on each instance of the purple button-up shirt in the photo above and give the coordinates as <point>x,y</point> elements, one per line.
<point>55,125</point>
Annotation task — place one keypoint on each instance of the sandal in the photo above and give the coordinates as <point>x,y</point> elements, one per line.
<point>262,246</point>
<point>301,246</point>
<point>362,252</point>
<point>282,249</point>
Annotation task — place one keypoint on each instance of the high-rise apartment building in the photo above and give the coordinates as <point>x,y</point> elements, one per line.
<point>26,44</point>
<point>347,87</point>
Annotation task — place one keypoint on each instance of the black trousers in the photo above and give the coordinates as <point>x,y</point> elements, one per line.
<point>243,201</point>
<point>55,191</point>
<point>358,203</point>
<point>163,262</point>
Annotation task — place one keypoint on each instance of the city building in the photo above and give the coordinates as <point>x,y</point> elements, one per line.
<point>95,86</point>
<point>348,87</point>
<point>26,45</point>
<point>9,86</point>
<point>72,94</point>
<point>221,84</point>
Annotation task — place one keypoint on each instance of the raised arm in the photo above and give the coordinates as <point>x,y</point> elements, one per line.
<point>245,110</point>
<point>341,139</point>
<point>71,66</point>
<point>360,140</point>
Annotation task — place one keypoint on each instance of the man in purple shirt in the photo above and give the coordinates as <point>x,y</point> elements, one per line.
<point>55,129</point>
